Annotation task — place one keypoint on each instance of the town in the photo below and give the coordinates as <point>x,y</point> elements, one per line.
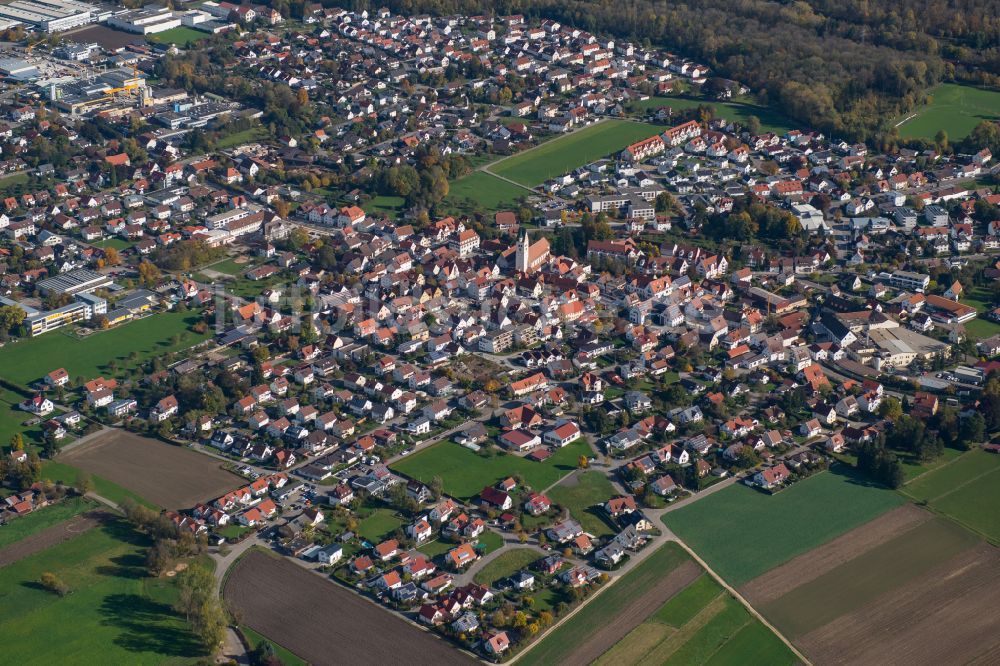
<point>493,322</point>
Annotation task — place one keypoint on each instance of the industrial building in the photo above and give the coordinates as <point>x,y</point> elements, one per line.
<point>79,281</point>
<point>145,21</point>
<point>17,69</point>
<point>52,15</point>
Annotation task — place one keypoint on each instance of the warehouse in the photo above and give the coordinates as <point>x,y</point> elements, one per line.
<point>17,69</point>
<point>79,281</point>
<point>51,15</point>
<point>145,21</point>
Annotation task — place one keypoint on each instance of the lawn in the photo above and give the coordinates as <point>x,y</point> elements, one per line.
<point>488,542</point>
<point>770,120</point>
<point>566,153</point>
<point>287,657</point>
<point>29,359</point>
<point>488,192</point>
<point>956,109</point>
<point>231,266</point>
<point>13,418</point>
<point>912,466</point>
<point>114,614</point>
<point>860,580</point>
<point>181,36</point>
<point>13,181</point>
<point>252,135</point>
<point>465,472</point>
<point>69,475</point>
<point>980,329</point>
<point>583,494</point>
<point>742,533</point>
<point>379,525</point>
<point>387,206</point>
<point>966,490</point>
<point>42,519</point>
<point>506,565</point>
<point>117,243</point>
<point>605,608</point>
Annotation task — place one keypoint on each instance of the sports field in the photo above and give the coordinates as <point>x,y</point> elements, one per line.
<point>770,120</point>
<point>954,108</point>
<point>742,533</point>
<point>114,613</point>
<point>489,192</point>
<point>465,472</point>
<point>966,490</point>
<point>30,359</point>
<point>565,153</point>
<point>181,36</point>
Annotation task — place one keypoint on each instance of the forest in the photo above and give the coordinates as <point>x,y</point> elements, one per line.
<point>846,68</point>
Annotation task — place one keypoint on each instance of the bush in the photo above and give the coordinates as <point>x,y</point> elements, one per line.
<point>53,583</point>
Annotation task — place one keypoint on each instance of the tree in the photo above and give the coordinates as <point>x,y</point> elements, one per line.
<point>11,317</point>
<point>17,441</point>
<point>197,601</point>
<point>53,583</point>
<point>111,257</point>
<point>85,483</point>
<point>436,487</point>
<point>583,463</point>
<point>149,274</point>
<point>263,655</point>
<point>890,409</point>
<point>972,431</point>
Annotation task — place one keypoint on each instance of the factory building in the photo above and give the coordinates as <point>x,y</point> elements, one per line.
<point>52,15</point>
<point>145,21</point>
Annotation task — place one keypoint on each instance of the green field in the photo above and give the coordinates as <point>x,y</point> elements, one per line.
<point>565,153</point>
<point>684,605</point>
<point>114,613</point>
<point>388,206</point>
<point>770,120</point>
<point>488,192</point>
<point>231,267</point>
<point>862,579</point>
<point>506,564</point>
<point>13,418</point>
<point>966,490</point>
<point>561,642</point>
<point>288,658</point>
<point>583,494</point>
<point>117,243</point>
<point>42,519</point>
<point>379,525</point>
<point>181,36</point>
<point>252,135</point>
<point>465,472</point>
<point>980,329</point>
<point>30,359</point>
<point>742,533</point>
<point>69,475</point>
<point>13,181</point>
<point>955,109</point>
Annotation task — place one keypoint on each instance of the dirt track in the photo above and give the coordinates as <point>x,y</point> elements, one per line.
<point>604,637</point>
<point>777,582</point>
<point>51,536</point>
<point>169,476</point>
<point>322,622</point>
<point>948,616</point>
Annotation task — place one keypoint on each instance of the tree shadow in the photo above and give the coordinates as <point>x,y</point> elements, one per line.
<point>123,531</point>
<point>148,626</point>
<point>131,566</point>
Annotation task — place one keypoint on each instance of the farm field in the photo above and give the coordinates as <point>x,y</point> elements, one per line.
<point>605,620</point>
<point>465,472</point>
<point>42,519</point>
<point>114,614</point>
<point>966,490</point>
<point>770,120</point>
<point>489,192</point>
<point>322,622</point>
<point>67,474</point>
<point>28,360</point>
<point>956,109</point>
<point>169,476</point>
<point>906,587</point>
<point>506,564</point>
<point>734,530</point>
<point>565,153</point>
<point>583,494</point>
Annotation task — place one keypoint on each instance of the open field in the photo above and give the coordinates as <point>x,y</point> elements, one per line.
<point>742,533</point>
<point>13,419</point>
<point>388,206</point>
<point>117,243</point>
<point>114,614</point>
<point>956,109</point>
<point>583,494</point>
<point>506,564</point>
<point>169,476</point>
<point>28,360</point>
<point>605,620</point>
<point>324,623</point>
<point>181,36</point>
<point>252,135</point>
<point>966,490</point>
<point>41,520</point>
<point>770,120</point>
<point>68,475</point>
<point>379,525</point>
<point>491,193</point>
<point>565,153</point>
<point>465,472</point>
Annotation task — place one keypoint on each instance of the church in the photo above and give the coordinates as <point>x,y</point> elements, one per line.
<point>531,256</point>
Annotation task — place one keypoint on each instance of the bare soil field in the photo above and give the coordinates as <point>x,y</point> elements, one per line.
<point>169,476</point>
<point>947,616</point>
<point>56,534</point>
<point>605,636</point>
<point>324,623</point>
<point>811,565</point>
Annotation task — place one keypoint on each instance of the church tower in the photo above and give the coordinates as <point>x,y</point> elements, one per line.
<point>523,253</point>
